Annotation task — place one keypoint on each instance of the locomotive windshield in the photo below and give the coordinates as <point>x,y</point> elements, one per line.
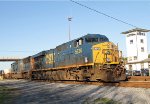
<point>102,39</point>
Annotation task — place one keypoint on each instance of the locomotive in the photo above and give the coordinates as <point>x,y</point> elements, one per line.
<point>89,58</point>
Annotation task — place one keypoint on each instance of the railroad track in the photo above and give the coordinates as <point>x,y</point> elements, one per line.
<point>142,84</point>
<point>136,84</point>
<point>133,81</point>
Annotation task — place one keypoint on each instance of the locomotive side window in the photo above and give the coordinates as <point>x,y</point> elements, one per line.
<point>78,42</point>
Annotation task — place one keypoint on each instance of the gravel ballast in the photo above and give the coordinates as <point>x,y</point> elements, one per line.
<point>31,92</point>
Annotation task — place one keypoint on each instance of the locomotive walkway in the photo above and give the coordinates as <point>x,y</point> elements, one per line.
<point>33,92</point>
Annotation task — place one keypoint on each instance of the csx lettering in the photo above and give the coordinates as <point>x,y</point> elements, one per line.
<point>78,51</point>
<point>49,58</point>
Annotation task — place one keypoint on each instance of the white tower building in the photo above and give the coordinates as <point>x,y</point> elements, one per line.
<point>137,51</point>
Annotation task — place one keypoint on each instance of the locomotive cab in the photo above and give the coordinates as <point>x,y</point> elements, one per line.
<point>107,60</point>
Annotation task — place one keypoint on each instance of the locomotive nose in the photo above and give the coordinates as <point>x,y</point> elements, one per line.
<point>104,53</point>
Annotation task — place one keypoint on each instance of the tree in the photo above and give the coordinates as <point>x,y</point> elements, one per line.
<point>124,60</point>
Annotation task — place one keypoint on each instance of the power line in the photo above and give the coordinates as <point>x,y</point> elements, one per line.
<point>103,13</point>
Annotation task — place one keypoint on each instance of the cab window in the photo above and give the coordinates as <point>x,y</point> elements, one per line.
<point>103,39</point>
<point>78,42</point>
<point>91,39</point>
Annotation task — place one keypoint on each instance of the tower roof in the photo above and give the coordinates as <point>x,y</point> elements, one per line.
<point>134,30</point>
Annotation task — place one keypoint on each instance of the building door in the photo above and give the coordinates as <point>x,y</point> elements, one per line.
<point>130,70</point>
<point>130,67</point>
<point>142,65</point>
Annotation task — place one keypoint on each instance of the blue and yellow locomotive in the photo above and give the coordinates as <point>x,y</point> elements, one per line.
<point>91,57</point>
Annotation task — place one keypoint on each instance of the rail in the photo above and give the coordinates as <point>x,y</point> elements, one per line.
<point>135,84</point>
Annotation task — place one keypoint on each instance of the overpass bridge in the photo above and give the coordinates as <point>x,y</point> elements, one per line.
<point>6,59</point>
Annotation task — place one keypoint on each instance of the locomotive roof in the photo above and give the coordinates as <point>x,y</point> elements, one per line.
<point>42,53</point>
<point>94,36</point>
<point>39,54</point>
<point>86,36</point>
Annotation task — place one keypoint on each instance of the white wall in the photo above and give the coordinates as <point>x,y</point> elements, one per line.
<point>137,66</point>
<point>135,48</point>
<point>142,55</point>
<point>131,48</point>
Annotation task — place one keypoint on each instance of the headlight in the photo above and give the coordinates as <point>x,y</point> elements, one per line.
<point>96,48</point>
<point>108,59</point>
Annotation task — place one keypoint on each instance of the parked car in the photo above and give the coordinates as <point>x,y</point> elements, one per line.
<point>136,73</point>
<point>145,72</point>
<point>128,72</point>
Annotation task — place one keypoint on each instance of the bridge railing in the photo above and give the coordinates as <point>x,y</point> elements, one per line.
<point>12,58</point>
<point>1,57</point>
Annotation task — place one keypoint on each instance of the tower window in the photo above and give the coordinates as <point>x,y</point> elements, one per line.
<point>135,57</point>
<point>141,40</point>
<point>131,41</point>
<point>141,33</point>
<point>142,49</point>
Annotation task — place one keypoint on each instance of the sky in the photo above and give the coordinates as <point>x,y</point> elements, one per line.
<point>28,27</point>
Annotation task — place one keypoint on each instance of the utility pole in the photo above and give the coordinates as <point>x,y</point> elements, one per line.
<point>69,20</point>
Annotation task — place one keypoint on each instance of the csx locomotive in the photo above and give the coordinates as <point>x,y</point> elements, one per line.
<point>89,58</point>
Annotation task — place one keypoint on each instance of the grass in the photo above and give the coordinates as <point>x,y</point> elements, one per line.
<point>105,101</point>
<point>101,101</point>
<point>6,94</point>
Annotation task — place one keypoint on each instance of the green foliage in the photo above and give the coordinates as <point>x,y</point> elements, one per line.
<point>148,55</point>
<point>105,101</point>
<point>101,101</point>
<point>124,58</point>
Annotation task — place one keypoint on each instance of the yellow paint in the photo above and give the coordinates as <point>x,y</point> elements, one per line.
<point>78,51</point>
<point>49,59</point>
<point>100,51</point>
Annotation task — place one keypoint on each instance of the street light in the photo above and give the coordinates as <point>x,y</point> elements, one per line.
<point>69,20</point>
